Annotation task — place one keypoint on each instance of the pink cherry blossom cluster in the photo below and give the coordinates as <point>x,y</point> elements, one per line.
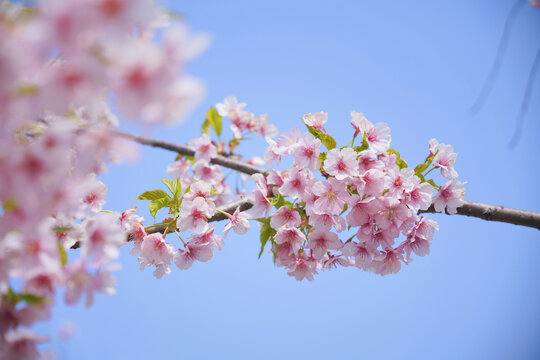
<point>203,190</point>
<point>59,64</point>
<point>365,190</point>
<point>365,194</point>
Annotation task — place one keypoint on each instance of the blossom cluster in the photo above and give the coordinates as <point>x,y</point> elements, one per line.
<point>367,190</point>
<point>197,190</point>
<point>60,62</point>
<point>334,206</point>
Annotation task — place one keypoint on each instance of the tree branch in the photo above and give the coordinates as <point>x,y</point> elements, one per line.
<point>184,150</point>
<point>469,208</point>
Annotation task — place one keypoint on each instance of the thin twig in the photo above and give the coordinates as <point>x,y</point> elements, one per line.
<point>494,72</point>
<point>525,102</point>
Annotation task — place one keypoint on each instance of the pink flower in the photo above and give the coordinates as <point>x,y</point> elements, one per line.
<point>265,129</point>
<point>292,236</point>
<point>316,120</point>
<point>238,222</point>
<point>200,189</point>
<point>332,195</point>
<point>392,214</point>
<point>273,152</point>
<point>193,215</point>
<point>326,221</point>
<point>445,159</point>
<point>178,169</point>
<point>341,163</point>
<point>399,181</point>
<point>156,251</point>
<point>207,172</point>
<point>303,267</point>
<point>231,108</point>
<point>21,345</point>
<point>204,149</point>
<point>306,152</point>
<point>288,140</point>
<point>368,160</point>
<point>258,197</point>
<point>419,237</point>
<point>377,136</point>
<point>103,237</point>
<point>420,196</point>
<point>319,241</point>
<point>387,262</point>
<point>207,237</point>
<point>362,210</point>
<point>79,281</point>
<point>362,255</point>
<point>129,220</point>
<point>294,183</point>
<point>285,217</point>
<point>450,196</point>
<point>193,251</point>
<point>370,183</point>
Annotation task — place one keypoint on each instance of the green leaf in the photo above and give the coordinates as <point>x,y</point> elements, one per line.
<point>280,201</point>
<point>152,195</point>
<point>399,161</point>
<point>174,186</point>
<point>157,204</point>
<point>205,127</point>
<point>361,148</point>
<point>267,232</point>
<point>432,183</point>
<point>345,207</point>
<point>326,139</point>
<point>9,204</point>
<point>30,299</point>
<point>420,168</point>
<point>63,254</point>
<point>215,120</point>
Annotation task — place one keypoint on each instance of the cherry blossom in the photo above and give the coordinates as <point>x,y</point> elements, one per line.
<point>449,197</point>
<point>341,163</point>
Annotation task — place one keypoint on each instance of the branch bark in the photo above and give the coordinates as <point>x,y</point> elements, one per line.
<point>470,208</point>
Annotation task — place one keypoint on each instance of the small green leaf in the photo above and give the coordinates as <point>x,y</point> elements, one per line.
<point>432,183</point>
<point>157,204</point>
<point>9,204</point>
<point>27,90</point>
<point>215,120</point>
<point>280,201</point>
<point>326,139</point>
<point>63,254</point>
<point>267,232</point>
<point>30,299</point>
<point>361,148</point>
<point>205,127</point>
<point>420,168</point>
<point>345,207</point>
<point>152,195</point>
<point>174,186</point>
<point>399,161</point>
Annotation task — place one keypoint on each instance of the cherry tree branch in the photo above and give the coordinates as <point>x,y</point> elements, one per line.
<point>469,208</point>
<point>184,150</point>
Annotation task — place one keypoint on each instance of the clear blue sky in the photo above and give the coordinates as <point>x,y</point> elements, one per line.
<point>416,65</point>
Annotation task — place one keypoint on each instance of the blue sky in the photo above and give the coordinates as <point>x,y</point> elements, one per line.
<point>417,66</point>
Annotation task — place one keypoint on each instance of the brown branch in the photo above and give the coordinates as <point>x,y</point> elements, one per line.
<point>470,208</point>
<point>496,213</point>
<point>184,150</point>
<point>243,204</point>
